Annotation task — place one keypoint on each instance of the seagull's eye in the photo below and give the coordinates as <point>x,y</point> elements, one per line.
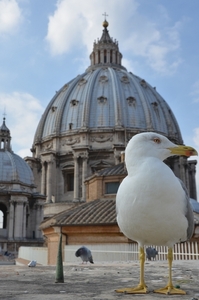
<point>156,140</point>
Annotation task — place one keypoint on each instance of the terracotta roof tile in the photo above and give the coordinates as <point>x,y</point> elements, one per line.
<point>94,212</point>
<point>115,170</point>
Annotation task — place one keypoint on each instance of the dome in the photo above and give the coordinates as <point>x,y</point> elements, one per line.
<point>14,168</point>
<point>107,97</point>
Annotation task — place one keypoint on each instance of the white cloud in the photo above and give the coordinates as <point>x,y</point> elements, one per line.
<point>156,41</point>
<point>156,45</point>
<point>23,112</point>
<point>195,91</point>
<point>76,23</point>
<point>10,16</point>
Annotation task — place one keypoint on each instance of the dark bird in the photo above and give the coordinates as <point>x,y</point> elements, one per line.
<point>152,205</point>
<point>85,254</point>
<point>151,253</point>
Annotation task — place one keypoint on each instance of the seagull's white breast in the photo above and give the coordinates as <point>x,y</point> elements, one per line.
<point>151,205</point>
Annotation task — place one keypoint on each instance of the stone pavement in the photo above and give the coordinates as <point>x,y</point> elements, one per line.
<point>97,282</point>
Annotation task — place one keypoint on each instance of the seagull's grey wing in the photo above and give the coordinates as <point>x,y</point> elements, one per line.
<point>189,212</point>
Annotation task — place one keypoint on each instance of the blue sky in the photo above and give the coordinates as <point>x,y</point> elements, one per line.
<point>44,44</point>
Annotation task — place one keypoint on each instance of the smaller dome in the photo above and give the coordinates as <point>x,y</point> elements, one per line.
<point>14,168</point>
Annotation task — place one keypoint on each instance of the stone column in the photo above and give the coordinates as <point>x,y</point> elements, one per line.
<point>19,219</point>
<point>84,174</point>
<point>43,179</point>
<point>96,57</point>
<point>38,220</point>
<point>11,220</point>
<point>108,56</point>
<point>92,59</point>
<point>49,181</point>
<point>101,56</point>
<point>76,179</point>
<point>24,220</point>
<point>113,57</point>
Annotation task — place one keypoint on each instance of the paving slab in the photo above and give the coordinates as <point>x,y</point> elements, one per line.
<point>97,282</point>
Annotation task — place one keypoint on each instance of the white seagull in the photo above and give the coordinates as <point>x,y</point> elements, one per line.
<point>152,204</point>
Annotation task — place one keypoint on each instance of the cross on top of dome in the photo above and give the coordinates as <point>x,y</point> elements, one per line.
<point>106,50</point>
<point>105,23</point>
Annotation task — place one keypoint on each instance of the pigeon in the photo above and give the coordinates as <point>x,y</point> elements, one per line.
<point>85,254</point>
<point>152,205</point>
<point>151,253</point>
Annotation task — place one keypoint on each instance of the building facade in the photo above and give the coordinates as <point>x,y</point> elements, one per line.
<point>21,206</point>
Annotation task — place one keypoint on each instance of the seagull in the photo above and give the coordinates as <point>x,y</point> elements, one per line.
<point>85,254</point>
<point>152,205</point>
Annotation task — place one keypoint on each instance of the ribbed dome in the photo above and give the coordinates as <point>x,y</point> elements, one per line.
<point>14,168</point>
<point>107,97</point>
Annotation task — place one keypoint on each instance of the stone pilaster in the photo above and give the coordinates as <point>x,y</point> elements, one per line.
<point>49,181</point>
<point>84,175</point>
<point>76,179</point>
<point>11,220</point>
<point>43,179</point>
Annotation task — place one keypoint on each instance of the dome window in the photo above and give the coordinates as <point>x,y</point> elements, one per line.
<point>131,101</point>
<point>102,99</point>
<point>70,126</point>
<point>155,104</point>
<point>82,81</point>
<point>53,108</point>
<point>103,79</point>
<point>74,102</point>
<point>143,83</point>
<point>125,79</point>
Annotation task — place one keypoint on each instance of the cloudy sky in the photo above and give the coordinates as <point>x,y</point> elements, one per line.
<point>44,44</point>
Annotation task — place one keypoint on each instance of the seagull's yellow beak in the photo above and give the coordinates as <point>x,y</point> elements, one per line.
<point>183,150</point>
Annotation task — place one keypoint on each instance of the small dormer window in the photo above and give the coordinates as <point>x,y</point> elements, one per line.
<point>131,101</point>
<point>82,81</point>
<point>143,83</point>
<point>103,79</point>
<point>102,99</point>
<point>125,79</point>
<point>70,126</point>
<point>155,104</point>
<point>53,108</point>
<point>74,102</point>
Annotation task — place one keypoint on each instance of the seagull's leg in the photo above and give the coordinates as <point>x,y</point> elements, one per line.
<point>169,288</point>
<point>141,288</point>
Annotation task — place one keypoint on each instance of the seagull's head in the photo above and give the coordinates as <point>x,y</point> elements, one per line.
<point>151,144</point>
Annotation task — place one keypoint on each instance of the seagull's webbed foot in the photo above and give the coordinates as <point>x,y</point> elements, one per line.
<point>170,290</point>
<point>140,289</point>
